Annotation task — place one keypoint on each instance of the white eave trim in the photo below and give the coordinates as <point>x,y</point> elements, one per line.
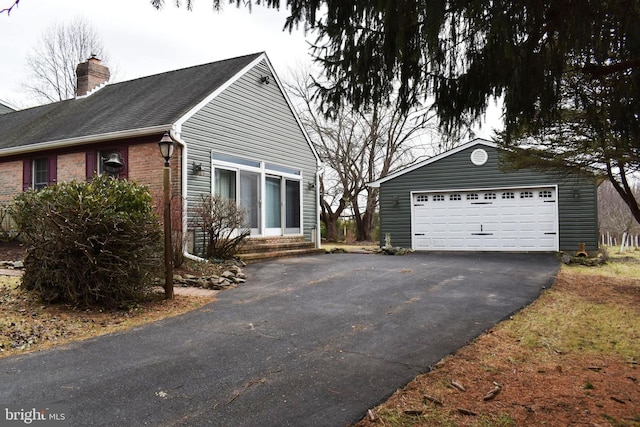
<point>236,77</point>
<point>63,143</point>
<point>477,141</point>
<point>218,91</point>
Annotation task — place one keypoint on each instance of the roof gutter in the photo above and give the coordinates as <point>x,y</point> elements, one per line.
<point>63,143</point>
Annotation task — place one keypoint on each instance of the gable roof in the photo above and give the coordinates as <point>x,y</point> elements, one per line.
<point>141,106</point>
<point>477,141</point>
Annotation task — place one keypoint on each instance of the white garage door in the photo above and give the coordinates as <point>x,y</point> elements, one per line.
<point>522,219</point>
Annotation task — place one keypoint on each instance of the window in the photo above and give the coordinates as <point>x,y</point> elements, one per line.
<point>526,195</point>
<point>438,198</point>
<point>455,197</point>
<point>422,198</point>
<point>490,196</point>
<point>508,195</point>
<point>225,183</point>
<point>95,160</point>
<point>271,195</point>
<point>103,156</point>
<point>472,196</point>
<point>546,194</point>
<point>39,173</point>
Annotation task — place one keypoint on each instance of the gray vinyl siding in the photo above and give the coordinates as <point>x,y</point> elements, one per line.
<point>577,195</point>
<point>5,109</point>
<point>251,120</point>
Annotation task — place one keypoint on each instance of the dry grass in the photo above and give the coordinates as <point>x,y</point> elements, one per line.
<point>570,358</point>
<point>27,324</point>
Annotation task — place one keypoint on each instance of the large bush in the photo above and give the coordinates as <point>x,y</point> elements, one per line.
<point>89,243</point>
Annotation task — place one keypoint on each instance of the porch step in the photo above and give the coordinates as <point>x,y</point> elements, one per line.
<point>267,255</point>
<point>263,248</point>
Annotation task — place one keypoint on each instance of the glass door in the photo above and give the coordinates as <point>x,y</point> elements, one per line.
<point>273,208</point>
<point>292,206</point>
<point>250,199</point>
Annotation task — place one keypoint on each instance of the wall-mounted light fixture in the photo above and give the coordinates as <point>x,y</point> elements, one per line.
<point>311,185</point>
<point>395,201</point>
<point>196,168</point>
<point>576,193</point>
<point>264,80</point>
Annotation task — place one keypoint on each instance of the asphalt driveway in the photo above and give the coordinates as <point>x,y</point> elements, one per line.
<point>312,341</point>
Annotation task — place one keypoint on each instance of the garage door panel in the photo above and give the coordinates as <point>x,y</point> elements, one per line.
<point>496,220</point>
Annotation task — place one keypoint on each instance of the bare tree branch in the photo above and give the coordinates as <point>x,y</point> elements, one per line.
<point>10,8</point>
<point>52,62</point>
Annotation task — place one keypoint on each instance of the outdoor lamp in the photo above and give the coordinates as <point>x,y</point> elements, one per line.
<point>166,147</point>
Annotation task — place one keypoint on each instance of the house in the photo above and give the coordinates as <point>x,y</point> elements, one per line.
<point>236,135</point>
<point>4,108</point>
<point>461,200</point>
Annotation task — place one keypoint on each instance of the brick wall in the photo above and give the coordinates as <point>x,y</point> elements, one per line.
<point>71,166</point>
<point>145,166</point>
<point>10,180</point>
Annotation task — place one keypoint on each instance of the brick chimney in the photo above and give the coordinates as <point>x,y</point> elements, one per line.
<point>91,74</point>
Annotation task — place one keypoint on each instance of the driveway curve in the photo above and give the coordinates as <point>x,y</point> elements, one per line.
<point>311,341</point>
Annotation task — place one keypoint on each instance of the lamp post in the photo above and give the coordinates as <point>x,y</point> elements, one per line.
<point>166,146</point>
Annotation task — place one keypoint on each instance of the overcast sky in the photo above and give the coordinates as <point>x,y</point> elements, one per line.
<point>141,41</point>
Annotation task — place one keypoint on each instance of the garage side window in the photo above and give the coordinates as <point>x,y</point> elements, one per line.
<point>490,196</point>
<point>422,198</point>
<point>526,195</point>
<point>545,194</point>
<point>455,197</point>
<point>472,196</point>
<point>508,195</point>
<point>438,198</point>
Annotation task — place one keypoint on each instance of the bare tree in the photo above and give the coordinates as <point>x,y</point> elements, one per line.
<point>356,148</point>
<point>614,215</point>
<point>52,62</point>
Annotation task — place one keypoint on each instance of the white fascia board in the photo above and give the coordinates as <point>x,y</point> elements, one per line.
<point>477,141</point>
<point>293,111</point>
<point>89,139</point>
<point>218,91</point>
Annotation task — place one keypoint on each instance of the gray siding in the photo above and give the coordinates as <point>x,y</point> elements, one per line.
<point>5,109</point>
<point>577,195</point>
<point>253,121</point>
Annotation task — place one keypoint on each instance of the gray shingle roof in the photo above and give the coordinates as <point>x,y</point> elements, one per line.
<point>150,101</point>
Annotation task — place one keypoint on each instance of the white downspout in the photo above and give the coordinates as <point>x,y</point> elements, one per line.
<point>175,132</point>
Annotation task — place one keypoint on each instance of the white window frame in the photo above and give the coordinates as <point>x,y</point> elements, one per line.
<point>264,170</point>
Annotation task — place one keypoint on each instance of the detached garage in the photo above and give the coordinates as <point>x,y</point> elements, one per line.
<point>462,201</point>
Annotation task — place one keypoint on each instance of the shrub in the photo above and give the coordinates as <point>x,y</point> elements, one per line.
<point>222,222</point>
<point>90,243</point>
<point>8,229</point>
